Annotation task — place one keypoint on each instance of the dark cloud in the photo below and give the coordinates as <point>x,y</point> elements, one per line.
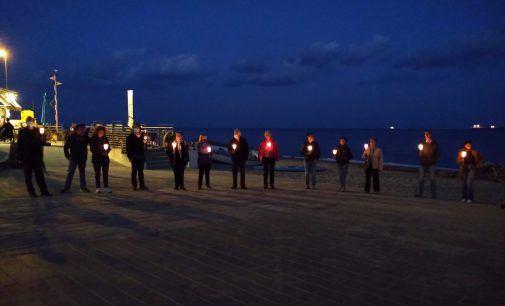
<point>127,67</point>
<point>472,51</point>
<point>318,59</point>
<point>357,55</point>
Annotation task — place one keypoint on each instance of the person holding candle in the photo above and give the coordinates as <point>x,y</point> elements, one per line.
<point>30,153</point>
<point>136,146</point>
<point>76,151</point>
<point>311,154</point>
<point>204,160</point>
<point>100,148</point>
<point>179,158</point>
<point>468,161</point>
<point>374,163</point>
<point>429,154</point>
<point>239,151</point>
<point>342,154</point>
<point>268,154</point>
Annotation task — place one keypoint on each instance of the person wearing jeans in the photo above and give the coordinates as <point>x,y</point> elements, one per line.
<point>76,151</point>
<point>100,149</point>
<point>268,155</point>
<point>342,154</point>
<point>468,159</point>
<point>311,154</point>
<point>374,163</point>
<point>429,154</point>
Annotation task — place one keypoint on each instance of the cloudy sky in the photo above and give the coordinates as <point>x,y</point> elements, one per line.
<point>219,63</point>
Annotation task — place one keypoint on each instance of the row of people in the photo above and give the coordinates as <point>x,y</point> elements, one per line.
<point>30,152</point>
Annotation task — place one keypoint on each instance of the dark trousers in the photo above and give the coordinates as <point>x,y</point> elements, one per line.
<point>138,170</point>
<point>431,171</point>
<point>467,173</point>
<point>268,171</point>
<point>72,165</point>
<point>236,167</point>
<point>203,169</point>
<point>36,168</point>
<point>101,168</point>
<point>369,174</point>
<point>343,169</point>
<point>179,174</point>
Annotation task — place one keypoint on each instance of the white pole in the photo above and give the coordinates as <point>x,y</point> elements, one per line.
<point>130,108</point>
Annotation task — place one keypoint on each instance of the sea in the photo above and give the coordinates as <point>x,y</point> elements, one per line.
<point>399,145</point>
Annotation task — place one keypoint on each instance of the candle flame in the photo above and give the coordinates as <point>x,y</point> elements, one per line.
<point>420,146</point>
<point>334,151</point>
<point>463,154</point>
<point>209,149</point>
<point>269,144</point>
<point>309,148</point>
<point>105,146</point>
<point>365,146</point>
<point>42,130</point>
<point>234,146</point>
<point>174,145</point>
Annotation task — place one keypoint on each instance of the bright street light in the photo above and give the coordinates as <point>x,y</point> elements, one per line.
<point>3,53</point>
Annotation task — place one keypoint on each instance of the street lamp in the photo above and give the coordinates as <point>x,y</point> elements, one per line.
<point>3,53</point>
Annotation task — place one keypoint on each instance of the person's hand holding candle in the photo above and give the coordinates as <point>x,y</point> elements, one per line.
<point>106,146</point>
<point>234,146</point>
<point>463,154</point>
<point>335,151</point>
<point>420,146</point>
<point>209,149</point>
<point>309,148</point>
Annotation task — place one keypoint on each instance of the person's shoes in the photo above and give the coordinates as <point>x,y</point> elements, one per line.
<point>98,190</point>
<point>135,188</point>
<point>32,194</point>
<point>265,187</point>
<point>64,190</point>
<point>84,189</point>
<point>234,187</point>
<point>244,187</point>
<point>340,189</point>
<point>176,188</point>
<point>183,188</point>
<point>463,200</point>
<point>307,187</point>
<point>107,190</point>
<point>343,189</point>
<point>272,187</point>
<point>469,201</point>
<point>199,187</point>
<point>46,194</point>
<point>313,187</point>
<point>367,191</point>
<point>208,187</point>
<point>143,187</point>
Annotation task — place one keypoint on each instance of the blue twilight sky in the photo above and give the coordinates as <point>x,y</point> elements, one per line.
<point>219,63</point>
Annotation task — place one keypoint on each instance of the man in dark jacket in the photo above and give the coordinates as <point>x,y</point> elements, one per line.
<point>342,154</point>
<point>239,151</point>
<point>179,159</point>
<point>136,144</point>
<point>311,154</point>
<point>30,152</point>
<point>76,151</point>
<point>7,131</point>
<point>429,154</point>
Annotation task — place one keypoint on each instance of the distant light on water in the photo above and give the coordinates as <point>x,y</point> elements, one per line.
<point>392,127</point>
<point>492,126</point>
<point>476,126</point>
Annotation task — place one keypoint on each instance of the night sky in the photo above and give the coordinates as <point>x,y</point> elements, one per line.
<point>304,64</point>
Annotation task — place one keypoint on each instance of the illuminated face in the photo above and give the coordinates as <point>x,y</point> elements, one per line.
<point>204,138</point>
<point>427,136</point>
<point>80,131</point>
<point>468,146</point>
<point>101,133</point>
<point>237,135</point>
<point>373,143</point>
<point>310,138</point>
<point>342,142</point>
<point>268,136</point>
<point>178,137</point>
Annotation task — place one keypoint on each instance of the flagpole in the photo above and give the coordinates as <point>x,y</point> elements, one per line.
<point>56,100</point>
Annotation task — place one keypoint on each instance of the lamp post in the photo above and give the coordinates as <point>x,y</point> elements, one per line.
<point>3,53</point>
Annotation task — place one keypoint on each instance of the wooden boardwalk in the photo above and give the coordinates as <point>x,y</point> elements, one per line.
<point>242,247</point>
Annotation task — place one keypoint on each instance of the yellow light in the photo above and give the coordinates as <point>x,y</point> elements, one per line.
<point>42,130</point>
<point>365,146</point>
<point>463,154</point>
<point>420,146</point>
<point>3,53</point>
<point>335,151</point>
<point>309,148</point>
<point>105,146</point>
<point>234,146</point>
<point>174,145</point>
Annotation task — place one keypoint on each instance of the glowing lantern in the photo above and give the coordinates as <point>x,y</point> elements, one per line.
<point>309,148</point>
<point>42,130</point>
<point>269,145</point>
<point>105,146</point>
<point>335,151</point>
<point>420,146</point>
<point>234,146</point>
<point>463,154</point>
<point>174,144</point>
<point>209,149</point>
<point>365,146</point>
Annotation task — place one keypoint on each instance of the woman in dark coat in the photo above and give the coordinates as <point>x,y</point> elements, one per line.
<point>204,160</point>
<point>100,149</point>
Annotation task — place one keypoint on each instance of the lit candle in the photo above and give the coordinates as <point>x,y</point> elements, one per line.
<point>174,144</point>
<point>365,146</point>
<point>463,154</point>
<point>269,145</point>
<point>234,146</point>
<point>42,130</point>
<point>209,149</point>
<point>309,148</point>
<point>335,151</point>
<point>105,146</point>
<point>420,146</point>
